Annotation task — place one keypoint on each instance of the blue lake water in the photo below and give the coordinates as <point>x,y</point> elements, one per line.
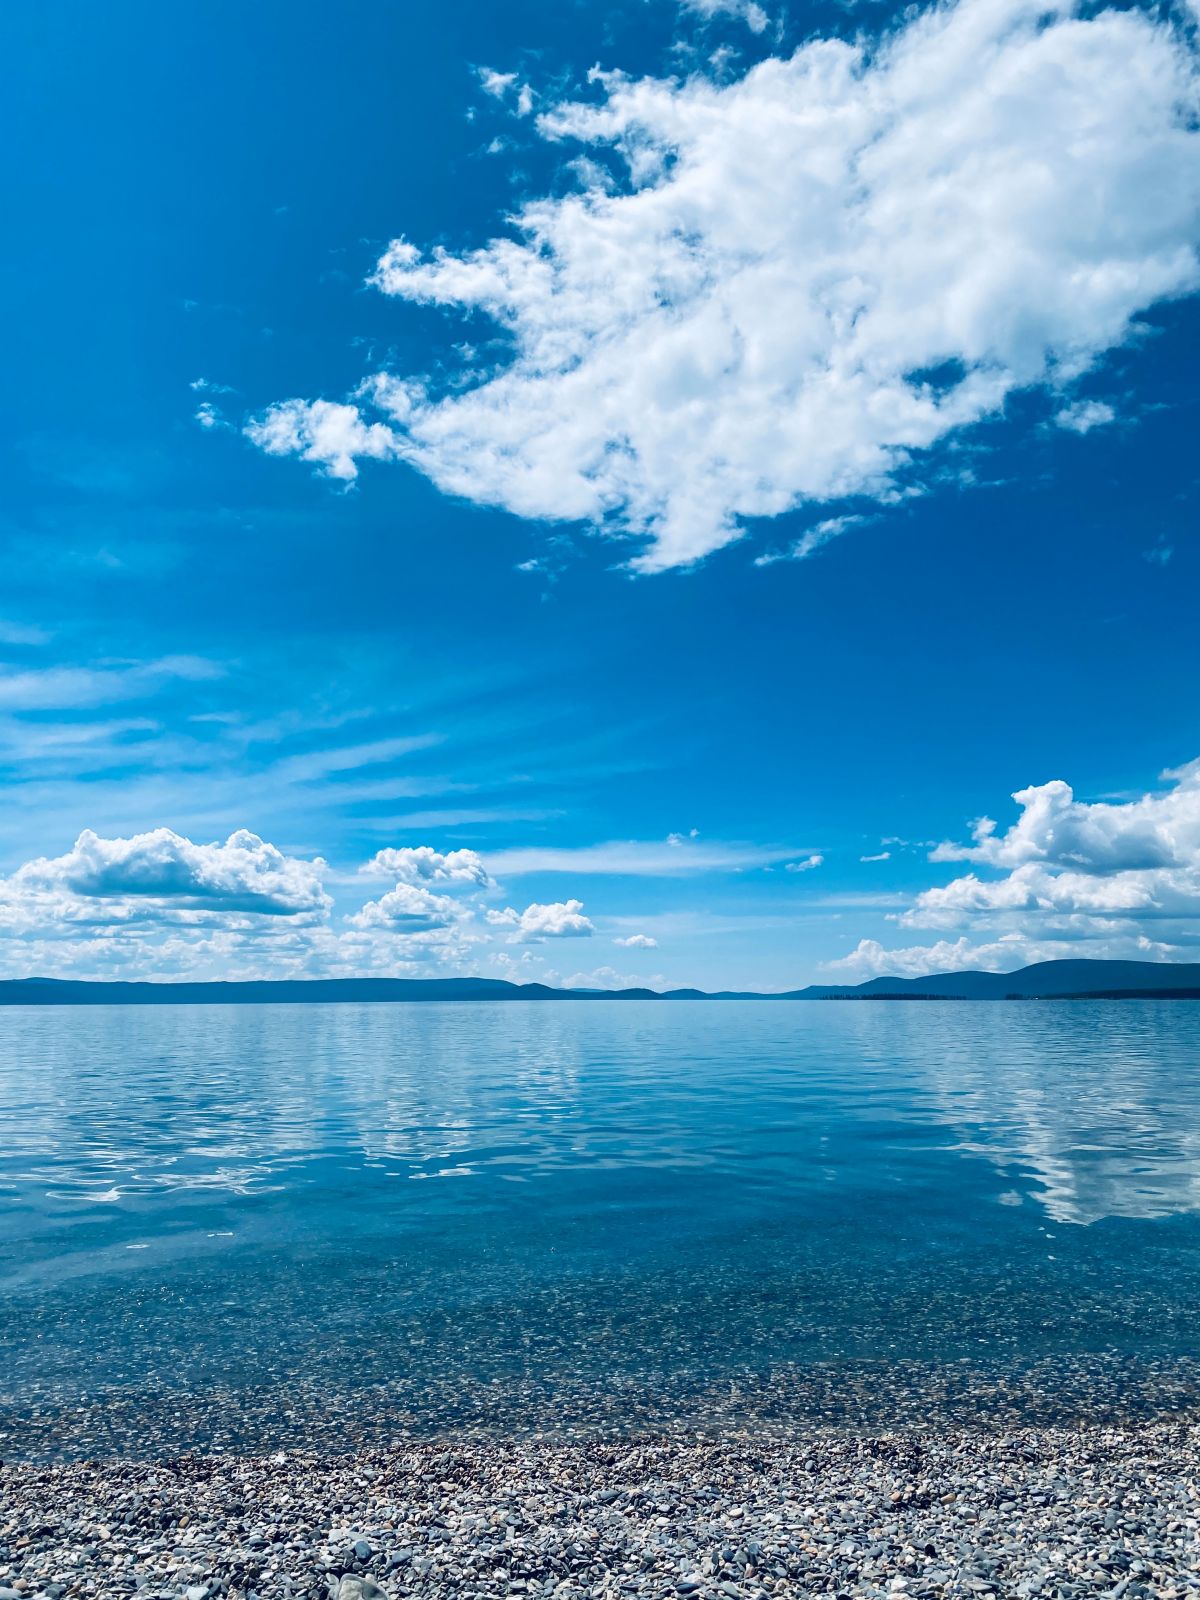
<point>313,1223</point>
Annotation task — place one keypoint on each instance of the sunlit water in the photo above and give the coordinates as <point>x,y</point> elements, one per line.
<point>225,1224</point>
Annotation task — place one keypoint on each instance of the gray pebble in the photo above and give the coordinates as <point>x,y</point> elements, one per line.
<point>740,1515</point>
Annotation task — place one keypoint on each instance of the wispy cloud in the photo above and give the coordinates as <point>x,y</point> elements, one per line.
<point>313,766</point>
<point>810,542</point>
<point>809,864</point>
<point>22,633</point>
<point>457,817</point>
<point>71,688</point>
<point>647,858</point>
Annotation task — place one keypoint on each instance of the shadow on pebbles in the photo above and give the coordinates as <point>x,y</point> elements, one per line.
<point>1033,1512</point>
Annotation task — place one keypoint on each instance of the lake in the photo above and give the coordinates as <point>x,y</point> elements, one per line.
<point>338,1224</point>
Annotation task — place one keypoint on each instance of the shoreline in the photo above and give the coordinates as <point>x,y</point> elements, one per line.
<point>317,1413</point>
<point>1032,1511</point>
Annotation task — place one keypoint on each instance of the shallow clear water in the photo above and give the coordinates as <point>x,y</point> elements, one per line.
<point>279,1222</point>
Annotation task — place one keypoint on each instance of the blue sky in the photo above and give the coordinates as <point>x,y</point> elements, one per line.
<point>788,458</point>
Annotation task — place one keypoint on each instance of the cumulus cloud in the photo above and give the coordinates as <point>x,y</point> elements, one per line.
<point>1102,837</point>
<point>410,909</point>
<point>159,905</point>
<point>413,908</point>
<point>978,202</point>
<point>871,960</point>
<point>163,876</point>
<point>1069,877</point>
<point>563,919</point>
<point>638,941</point>
<point>423,864</point>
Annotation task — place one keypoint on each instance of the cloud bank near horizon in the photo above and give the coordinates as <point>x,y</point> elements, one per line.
<point>982,201</point>
<point>1068,877</point>
<point>157,904</point>
<point>1075,878</point>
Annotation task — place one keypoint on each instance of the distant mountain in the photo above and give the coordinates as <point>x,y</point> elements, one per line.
<point>1048,980</point>
<point>302,991</point>
<point>290,991</point>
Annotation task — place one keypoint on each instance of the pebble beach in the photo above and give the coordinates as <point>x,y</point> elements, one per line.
<point>1052,1512</point>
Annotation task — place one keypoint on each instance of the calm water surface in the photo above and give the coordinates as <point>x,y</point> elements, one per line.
<point>257,1222</point>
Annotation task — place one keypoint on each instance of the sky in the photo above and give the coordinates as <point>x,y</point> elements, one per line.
<point>662,493</point>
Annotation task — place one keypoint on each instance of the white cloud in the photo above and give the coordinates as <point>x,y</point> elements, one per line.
<point>638,941</point>
<point>747,11</point>
<point>606,978</point>
<point>809,864</point>
<point>884,855</point>
<point>1081,416</point>
<point>412,907</point>
<point>423,864</point>
<point>1060,832</point>
<point>497,84</point>
<point>1007,954</point>
<point>409,909</point>
<point>978,202</point>
<point>1033,888</point>
<point>871,960</point>
<point>210,416</point>
<point>158,905</point>
<point>810,542</point>
<point>262,948</point>
<point>161,877</point>
<point>1070,877</point>
<point>563,919</point>
<point>333,437</point>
